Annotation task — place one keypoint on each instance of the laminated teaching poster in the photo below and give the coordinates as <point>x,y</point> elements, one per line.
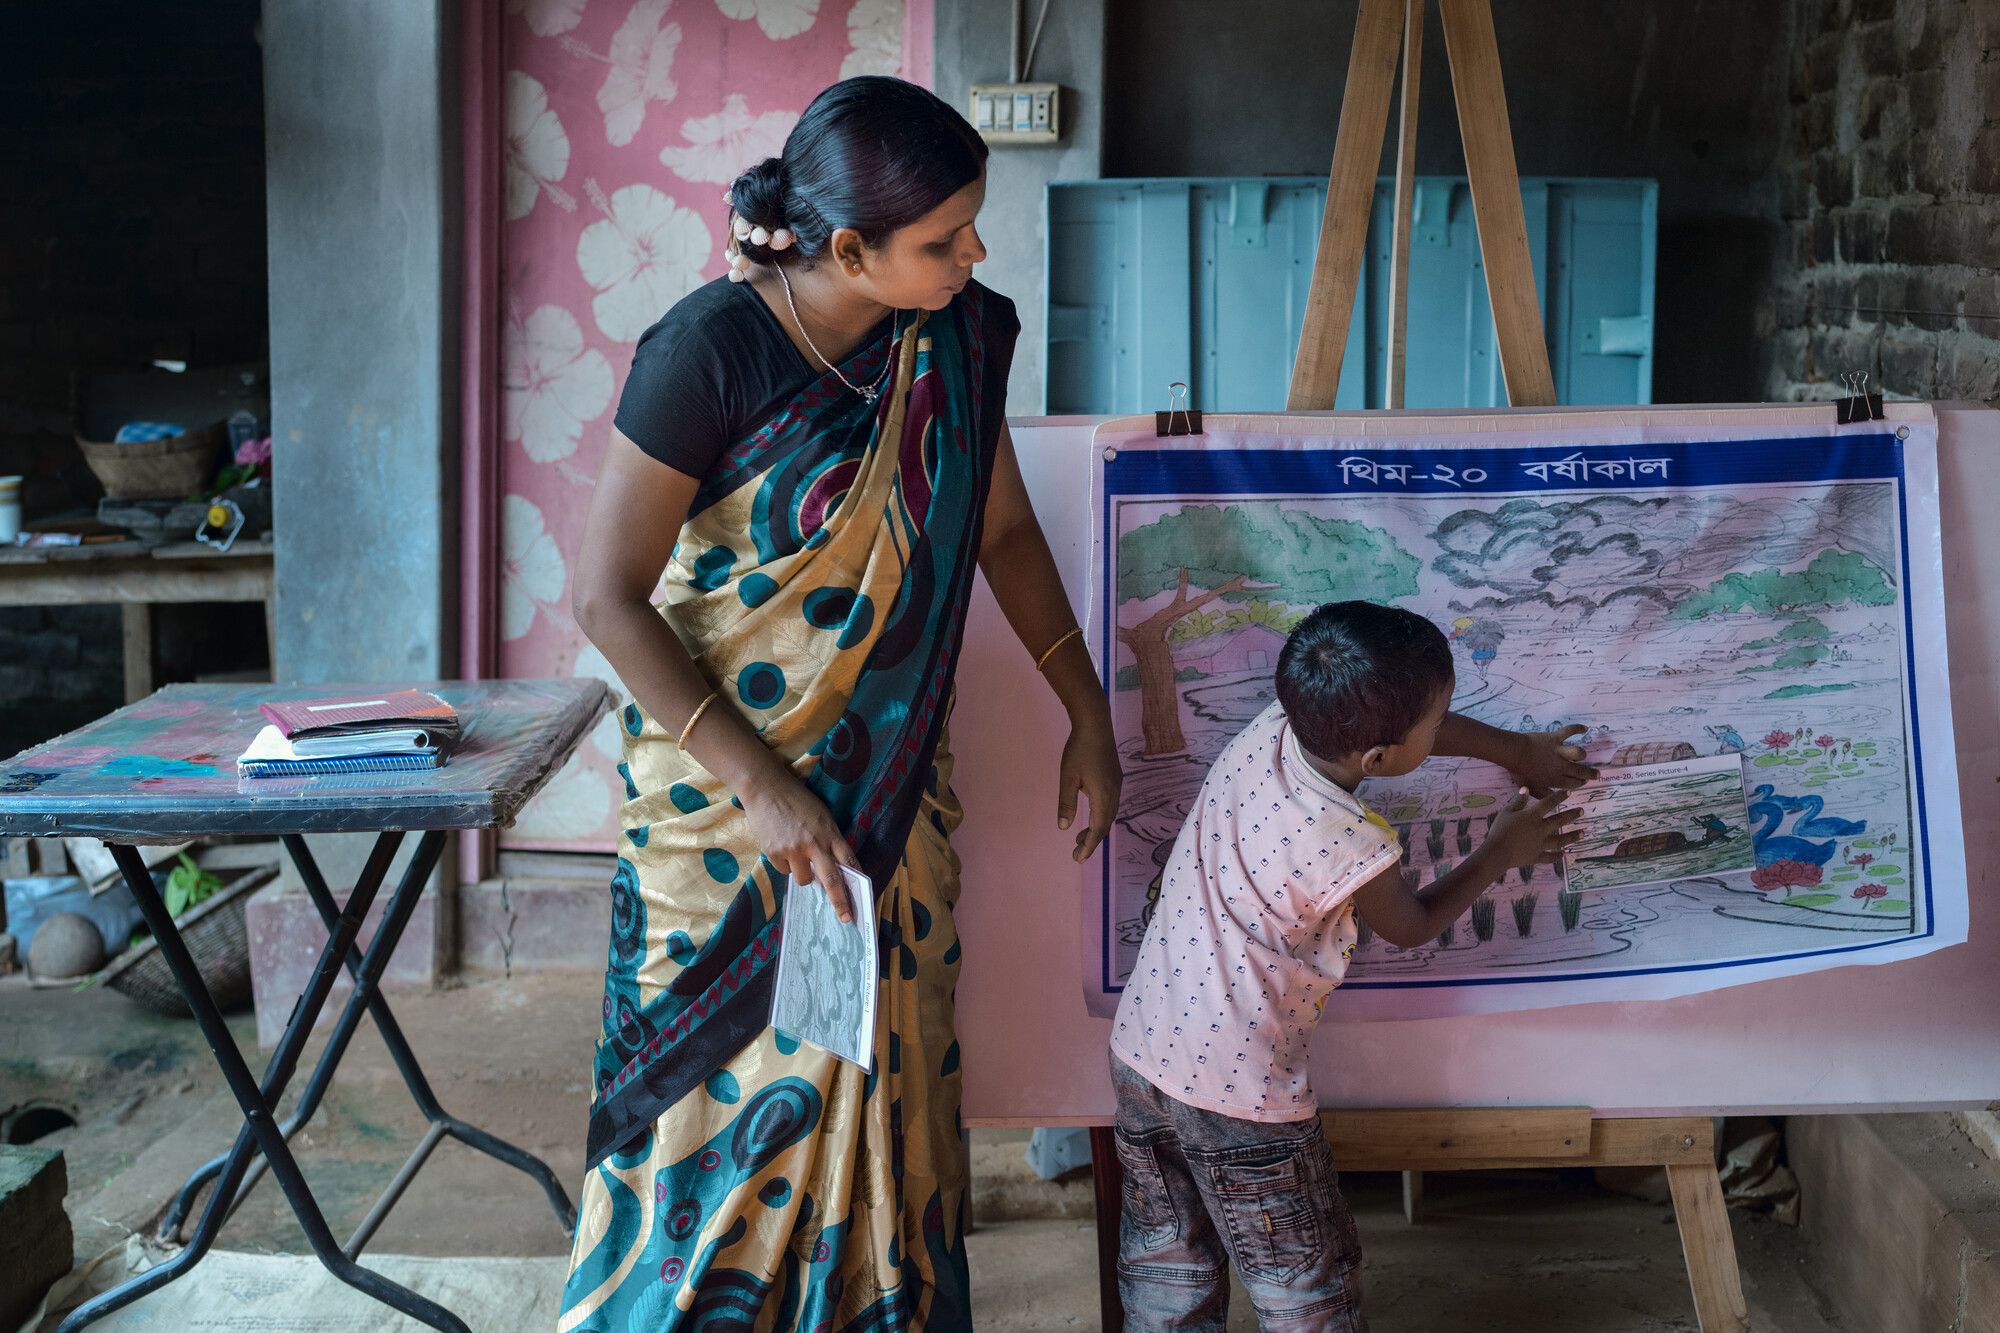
<point>1765,610</point>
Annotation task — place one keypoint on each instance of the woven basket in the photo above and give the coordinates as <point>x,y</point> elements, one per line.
<point>217,938</point>
<point>169,469</point>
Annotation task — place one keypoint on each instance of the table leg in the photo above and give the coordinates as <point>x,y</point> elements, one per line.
<point>1107,1178</point>
<point>257,1102</point>
<point>372,875</point>
<point>138,637</point>
<point>1709,1247</point>
<point>367,998</point>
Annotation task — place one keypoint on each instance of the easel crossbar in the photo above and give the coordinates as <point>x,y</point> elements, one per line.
<point>1483,1139</point>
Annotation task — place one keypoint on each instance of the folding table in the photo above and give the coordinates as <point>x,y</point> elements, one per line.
<point>163,770</point>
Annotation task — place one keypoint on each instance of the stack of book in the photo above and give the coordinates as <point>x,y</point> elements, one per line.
<point>400,729</point>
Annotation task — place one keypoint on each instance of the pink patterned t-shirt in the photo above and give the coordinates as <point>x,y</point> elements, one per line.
<point>1253,930</point>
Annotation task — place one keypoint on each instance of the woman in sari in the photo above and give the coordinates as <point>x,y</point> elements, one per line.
<point>815,457</point>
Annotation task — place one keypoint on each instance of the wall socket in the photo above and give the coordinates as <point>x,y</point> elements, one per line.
<point>1016,112</point>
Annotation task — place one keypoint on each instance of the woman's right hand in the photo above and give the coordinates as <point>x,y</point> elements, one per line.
<point>798,836</point>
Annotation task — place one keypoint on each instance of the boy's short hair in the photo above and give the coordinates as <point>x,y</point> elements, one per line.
<point>1355,675</point>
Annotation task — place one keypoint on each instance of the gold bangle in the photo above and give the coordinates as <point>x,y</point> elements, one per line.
<point>1043,660</point>
<point>700,708</point>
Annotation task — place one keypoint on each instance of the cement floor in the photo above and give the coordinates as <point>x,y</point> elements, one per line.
<point>1498,1252</point>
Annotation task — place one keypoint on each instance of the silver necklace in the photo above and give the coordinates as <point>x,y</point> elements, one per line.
<point>869,393</point>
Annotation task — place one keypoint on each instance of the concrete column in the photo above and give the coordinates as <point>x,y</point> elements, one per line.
<point>361,109</point>
<point>972,40</point>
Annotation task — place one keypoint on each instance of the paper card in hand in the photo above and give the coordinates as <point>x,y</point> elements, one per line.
<point>827,971</point>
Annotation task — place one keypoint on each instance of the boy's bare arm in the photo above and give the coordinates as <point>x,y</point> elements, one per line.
<point>1523,834</point>
<point>1541,761</point>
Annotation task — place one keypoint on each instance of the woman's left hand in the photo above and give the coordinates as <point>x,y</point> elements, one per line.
<point>1089,765</point>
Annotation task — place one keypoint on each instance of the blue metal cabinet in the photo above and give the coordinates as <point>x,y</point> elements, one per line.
<point>1205,281</point>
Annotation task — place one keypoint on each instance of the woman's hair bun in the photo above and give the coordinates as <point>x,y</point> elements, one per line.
<point>872,153</point>
<point>759,194</point>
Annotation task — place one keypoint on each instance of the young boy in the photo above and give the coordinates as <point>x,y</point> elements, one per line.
<point>1218,1129</point>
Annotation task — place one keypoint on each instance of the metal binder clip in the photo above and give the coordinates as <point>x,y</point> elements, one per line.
<point>1179,419</point>
<point>1872,402</point>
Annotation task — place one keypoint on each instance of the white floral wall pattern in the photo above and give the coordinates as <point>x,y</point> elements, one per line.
<point>643,255</point>
<point>603,233</point>
<point>552,383</point>
<point>779,19</point>
<point>721,147</point>
<point>537,148</point>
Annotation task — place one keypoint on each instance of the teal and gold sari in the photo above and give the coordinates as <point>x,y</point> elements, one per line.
<point>739,1179</point>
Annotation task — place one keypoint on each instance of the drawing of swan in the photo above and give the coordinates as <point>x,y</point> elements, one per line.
<point>1771,846</point>
<point>1810,823</point>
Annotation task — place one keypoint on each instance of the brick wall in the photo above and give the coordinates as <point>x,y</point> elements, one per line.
<point>1891,199</point>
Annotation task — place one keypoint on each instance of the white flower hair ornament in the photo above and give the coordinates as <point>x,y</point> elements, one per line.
<point>739,263</point>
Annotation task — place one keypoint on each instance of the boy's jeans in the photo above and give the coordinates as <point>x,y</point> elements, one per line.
<point>1201,1187</point>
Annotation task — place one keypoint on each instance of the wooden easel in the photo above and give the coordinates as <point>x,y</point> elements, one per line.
<point>1416,1141</point>
<point>1381,28</point>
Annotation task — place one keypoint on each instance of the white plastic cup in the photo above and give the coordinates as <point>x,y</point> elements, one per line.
<point>10,508</point>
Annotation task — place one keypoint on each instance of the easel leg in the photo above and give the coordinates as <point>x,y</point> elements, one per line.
<point>1399,253</point>
<point>1350,196</point>
<point>1107,1178</point>
<point>1413,1197</point>
<point>1710,1249</point>
<point>1474,52</point>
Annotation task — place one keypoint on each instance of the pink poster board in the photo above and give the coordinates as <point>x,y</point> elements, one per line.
<point>1920,1033</point>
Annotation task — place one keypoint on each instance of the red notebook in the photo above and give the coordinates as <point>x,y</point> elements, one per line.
<point>295,718</point>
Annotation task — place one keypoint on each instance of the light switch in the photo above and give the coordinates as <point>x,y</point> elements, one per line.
<point>1016,113</point>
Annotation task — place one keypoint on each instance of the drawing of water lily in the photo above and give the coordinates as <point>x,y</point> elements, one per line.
<point>537,147</point>
<point>875,31</point>
<point>645,254</point>
<point>1867,891</point>
<point>548,18</point>
<point>1861,859</point>
<point>1786,874</point>
<point>723,146</point>
<point>1823,742</point>
<point>778,18</point>
<point>1777,740</point>
<point>642,68</point>
<point>551,383</point>
<point>532,572</point>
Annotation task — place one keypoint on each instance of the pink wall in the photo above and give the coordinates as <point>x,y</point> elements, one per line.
<point>621,122</point>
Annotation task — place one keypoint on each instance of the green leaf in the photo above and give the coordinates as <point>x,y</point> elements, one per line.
<point>1811,900</point>
<point>177,894</point>
<point>1891,905</point>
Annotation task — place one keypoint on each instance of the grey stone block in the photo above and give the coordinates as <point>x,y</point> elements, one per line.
<point>35,1238</point>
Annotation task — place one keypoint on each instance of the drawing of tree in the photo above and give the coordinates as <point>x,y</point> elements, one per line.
<point>1834,578</point>
<point>1206,553</point>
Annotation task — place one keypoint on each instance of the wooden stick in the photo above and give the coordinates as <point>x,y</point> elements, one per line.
<point>1406,184</point>
<point>1413,1197</point>
<point>1710,1249</point>
<point>1350,195</point>
<point>1474,52</point>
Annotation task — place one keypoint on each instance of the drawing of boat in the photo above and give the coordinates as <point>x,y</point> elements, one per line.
<point>1649,845</point>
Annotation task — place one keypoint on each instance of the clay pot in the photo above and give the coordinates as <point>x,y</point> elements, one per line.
<point>66,945</point>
